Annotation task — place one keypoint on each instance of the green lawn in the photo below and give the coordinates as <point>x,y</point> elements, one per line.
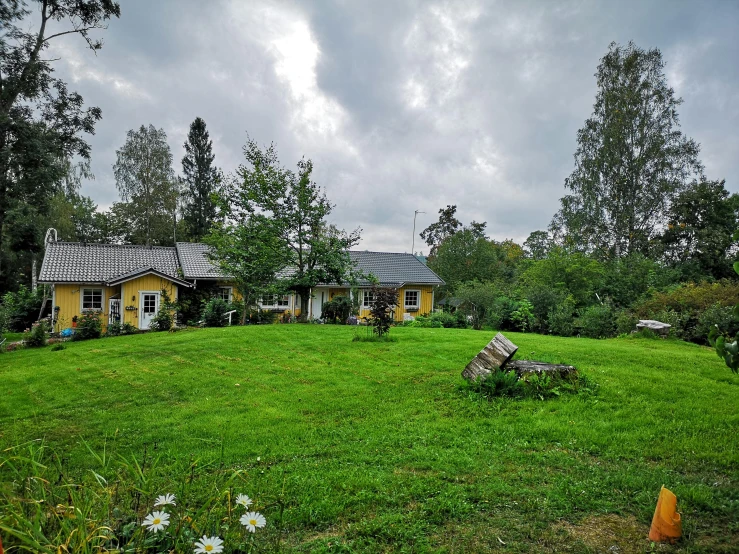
<point>380,446</point>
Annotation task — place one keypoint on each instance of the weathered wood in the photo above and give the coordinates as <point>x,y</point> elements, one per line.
<point>656,326</point>
<point>494,356</point>
<point>527,367</point>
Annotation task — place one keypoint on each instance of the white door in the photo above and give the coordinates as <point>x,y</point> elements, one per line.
<point>148,308</point>
<point>319,297</point>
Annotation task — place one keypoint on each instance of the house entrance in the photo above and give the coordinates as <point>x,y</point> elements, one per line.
<point>148,308</point>
<point>114,311</point>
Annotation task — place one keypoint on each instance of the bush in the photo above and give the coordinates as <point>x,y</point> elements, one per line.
<point>508,384</point>
<point>561,320</point>
<point>337,309</point>
<point>58,346</point>
<point>626,322</point>
<point>262,317</point>
<point>716,315</point>
<point>37,336</point>
<point>88,326</point>
<point>523,316</point>
<point>690,297</point>
<point>115,329</point>
<point>163,320</point>
<point>214,312</point>
<point>21,309</point>
<point>597,322</point>
<point>500,314</point>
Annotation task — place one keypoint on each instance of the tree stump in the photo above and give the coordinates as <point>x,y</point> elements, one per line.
<point>526,367</point>
<point>494,356</point>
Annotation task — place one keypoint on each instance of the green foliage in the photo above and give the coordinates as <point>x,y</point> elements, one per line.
<point>262,317</point>
<point>164,319</point>
<point>20,309</point>
<point>190,301</point>
<point>37,336</point>
<point>502,383</point>
<point>337,310</point>
<point>116,329</point>
<point>690,297</point>
<point>88,326</point>
<point>560,319</point>
<point>523,316</point>
<point>57,347</point>
<point>597,321</point>
<point>626,322</point>
<point>214,312</point>
<point>572,273</point>
<point>201,180</point>
<point>445,227</point>
<point>144,176</point>
<point>632,159</point>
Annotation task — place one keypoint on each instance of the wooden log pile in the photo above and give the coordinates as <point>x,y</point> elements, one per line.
<point>497,355</point>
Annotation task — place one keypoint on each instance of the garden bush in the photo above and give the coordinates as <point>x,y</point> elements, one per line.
<point>337,310</point>
<point>88,326</point>
<point>523,317</point>
<point>716,315</point>
<point>163,320</point>
<point>262,317</point>
<point>37,336</point>
<point>21,309</point>
<point>597,321</point>
<point>561,320</point>
<point>626,322</point>
<point>214,312</point>
<point>116,328</point>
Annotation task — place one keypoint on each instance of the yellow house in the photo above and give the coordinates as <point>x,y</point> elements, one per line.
<point>126,283</point>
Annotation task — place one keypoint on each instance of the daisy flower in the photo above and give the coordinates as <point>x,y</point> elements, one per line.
<point>244,500</point>
<point>156,521</point>
<point>209,544</point>
<point>252,520</point>
<point>165,499</point>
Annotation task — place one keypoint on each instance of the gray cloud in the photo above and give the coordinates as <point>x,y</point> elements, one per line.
<point>402,106</point>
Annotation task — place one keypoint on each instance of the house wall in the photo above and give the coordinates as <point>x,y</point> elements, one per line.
<point>69,299</point>
<point>426,300</point>
<point>132,288</point>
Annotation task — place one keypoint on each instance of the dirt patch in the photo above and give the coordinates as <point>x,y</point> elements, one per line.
<point>613,534</point>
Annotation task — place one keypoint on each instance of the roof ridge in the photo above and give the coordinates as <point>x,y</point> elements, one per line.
<point>110,245</point>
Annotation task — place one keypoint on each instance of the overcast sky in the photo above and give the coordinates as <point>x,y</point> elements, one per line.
<point>402,106</point>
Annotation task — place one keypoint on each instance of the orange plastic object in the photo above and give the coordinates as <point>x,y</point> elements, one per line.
<point>666,523</point>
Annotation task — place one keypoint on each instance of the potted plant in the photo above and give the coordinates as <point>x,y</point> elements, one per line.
<point>74,322</point>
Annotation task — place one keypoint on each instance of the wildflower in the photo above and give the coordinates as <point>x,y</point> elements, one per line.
<point>156,521</point>
<point>244,500</point>
<point>165,499</point>
<point>209,544</point>
<point>252,520</point>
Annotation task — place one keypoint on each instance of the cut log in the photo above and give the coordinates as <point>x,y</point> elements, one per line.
<point>656,326</point>
<point>526,367</point>
<point>495,355</point>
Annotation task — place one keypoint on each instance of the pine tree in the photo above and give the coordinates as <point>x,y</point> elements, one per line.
<point>201,180</point>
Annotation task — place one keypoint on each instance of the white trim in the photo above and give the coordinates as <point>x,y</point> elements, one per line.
<point>158,294</point>
<point>417,306</point>
<point>366,292</point>
<point>275,306</point>
<point>82,299</point>
<point>230,292</point>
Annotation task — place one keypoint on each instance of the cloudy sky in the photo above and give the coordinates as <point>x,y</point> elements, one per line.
<point>402,106</point>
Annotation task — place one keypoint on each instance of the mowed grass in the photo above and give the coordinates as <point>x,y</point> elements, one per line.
<point>381,447</point>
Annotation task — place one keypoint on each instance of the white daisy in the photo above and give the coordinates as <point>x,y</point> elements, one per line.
<point>165,499</point>
<point>156,521</point>
<point>209,544</point>
<point>252,520</point>
<point>244,500</point>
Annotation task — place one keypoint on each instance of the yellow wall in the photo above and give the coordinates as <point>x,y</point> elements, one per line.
<point>69,300</point>
<point>426,303</point>
<point>146,283</point>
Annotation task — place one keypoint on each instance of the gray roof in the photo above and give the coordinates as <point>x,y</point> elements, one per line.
<point>195,262</point>
<point>393,268</point>
<point>75,262</point>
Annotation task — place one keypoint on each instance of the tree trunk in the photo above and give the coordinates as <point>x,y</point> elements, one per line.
<point>304,299</point>
<point>526,367</point>
<point>34,274</point>
<point>494,356</point>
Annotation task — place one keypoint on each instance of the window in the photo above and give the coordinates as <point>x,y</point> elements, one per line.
<point>275,301</point>
<point>368,299</point>
<point>412,299</point>
<point>92,299</point>
<point>224,293</point>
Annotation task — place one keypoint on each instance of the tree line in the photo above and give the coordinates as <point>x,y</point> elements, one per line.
<point>639,226</point>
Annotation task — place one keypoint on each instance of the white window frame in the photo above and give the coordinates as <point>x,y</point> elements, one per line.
<point>417,305</point>
<point>278,301</point>
<point>82,299</point>
<point>230,293</point>
<point>367,299</point>
<point>157,304</point>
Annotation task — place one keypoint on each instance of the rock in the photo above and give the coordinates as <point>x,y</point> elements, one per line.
<point>526,367</point>
<point>494,356</point>
<point>656,326</point>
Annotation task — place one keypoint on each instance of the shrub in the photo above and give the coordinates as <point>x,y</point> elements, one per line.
<point>88,326</point>
<point>37,336</point>
<point>163,320</point>
<point>500,315</point>
<point>21,309</point>
<point>716,315</point>
<point>597,322</point>
<point>338,309</point>
<point>116,328</point>
<point>381,312</point>
<point>523,316</point>
<point>509,384</point>
<point>262,317</point>
<point>690,297</point>
<point>214,312</point>
<point>58,346</point>
<point>561,320</point>
<point>626,322</point>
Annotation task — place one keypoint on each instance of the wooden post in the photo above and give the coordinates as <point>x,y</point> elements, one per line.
<point>494,356</point>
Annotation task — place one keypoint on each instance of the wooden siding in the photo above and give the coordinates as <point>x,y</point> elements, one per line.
<point>69,299</point>
<point>131,289</point>
<point>425,307</point>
